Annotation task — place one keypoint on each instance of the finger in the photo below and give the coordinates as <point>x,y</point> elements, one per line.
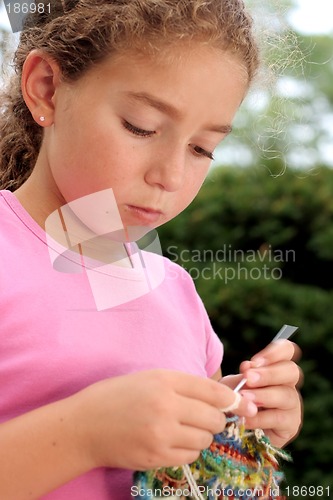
<point>282,373</point>
<point>298,353</point>
<point>281,421</point>
<point>234,405</point>
<point>279,350</point>
<point>282,397</point>
<point>172,457</point>
<point>231,380</point>
<point>178,457</point>
<point>200,415</point>
<point>188,438</point>
<point>300,382</point>
<point>186,445</point>
<point>213,393</point>
<point>238,405</point>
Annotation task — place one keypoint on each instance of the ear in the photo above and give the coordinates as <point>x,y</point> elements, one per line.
<point>40,79</point>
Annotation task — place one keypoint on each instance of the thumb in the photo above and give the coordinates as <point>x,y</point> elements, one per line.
<point>231,380</point>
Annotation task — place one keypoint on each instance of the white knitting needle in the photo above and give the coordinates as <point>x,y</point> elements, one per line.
<point>285,333</point>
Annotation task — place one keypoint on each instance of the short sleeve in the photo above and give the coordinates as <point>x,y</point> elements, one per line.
<point>214,346</point>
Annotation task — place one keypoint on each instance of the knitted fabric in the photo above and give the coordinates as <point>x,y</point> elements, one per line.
<point>239,464</point>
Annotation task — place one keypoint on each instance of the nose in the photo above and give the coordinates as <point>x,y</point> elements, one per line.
<point>167,170</point>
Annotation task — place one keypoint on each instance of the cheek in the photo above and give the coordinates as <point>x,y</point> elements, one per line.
<point>190,190</point>
<point>196,181</point>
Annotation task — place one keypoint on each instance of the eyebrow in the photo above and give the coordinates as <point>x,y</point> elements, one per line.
<point>171,111</point>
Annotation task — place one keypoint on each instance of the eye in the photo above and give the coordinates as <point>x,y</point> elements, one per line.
<point>203,152</point>
<point>138,131</point>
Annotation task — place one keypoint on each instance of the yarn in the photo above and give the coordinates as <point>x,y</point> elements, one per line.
<point>239,464</point>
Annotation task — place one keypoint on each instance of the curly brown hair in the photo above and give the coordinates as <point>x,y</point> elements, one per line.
<point>80,34</point>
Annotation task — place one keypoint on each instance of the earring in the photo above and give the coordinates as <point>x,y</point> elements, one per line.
<point>42,118</point>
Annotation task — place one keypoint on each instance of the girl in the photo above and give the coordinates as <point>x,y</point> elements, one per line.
<point>113,116</point>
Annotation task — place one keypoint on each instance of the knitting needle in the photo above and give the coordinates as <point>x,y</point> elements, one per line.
<point>284,333</point>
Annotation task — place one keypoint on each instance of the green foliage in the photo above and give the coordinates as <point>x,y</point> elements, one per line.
<point>242,221</point>
<point>319,70</point>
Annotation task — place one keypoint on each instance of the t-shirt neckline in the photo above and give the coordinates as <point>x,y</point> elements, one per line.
<point>136,272</point>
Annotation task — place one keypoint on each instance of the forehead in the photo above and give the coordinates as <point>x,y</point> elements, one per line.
<point>171,54</point>
<point>188,77</point>
<point>190,57</point>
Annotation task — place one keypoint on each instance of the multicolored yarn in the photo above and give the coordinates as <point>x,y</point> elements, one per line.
<point>239,464</point>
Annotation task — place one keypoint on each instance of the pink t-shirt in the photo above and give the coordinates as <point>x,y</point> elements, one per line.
<point>54,341</point>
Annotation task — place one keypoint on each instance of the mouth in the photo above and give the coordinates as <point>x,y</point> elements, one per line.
<point>145,215</point>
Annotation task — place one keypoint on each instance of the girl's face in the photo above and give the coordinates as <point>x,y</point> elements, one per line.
<point>144,128</point>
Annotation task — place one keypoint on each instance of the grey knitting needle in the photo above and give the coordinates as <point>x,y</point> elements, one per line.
<point>284,333</point>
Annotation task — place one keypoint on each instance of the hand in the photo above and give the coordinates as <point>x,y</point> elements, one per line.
<point>272,380</point>
<point>152,419</point>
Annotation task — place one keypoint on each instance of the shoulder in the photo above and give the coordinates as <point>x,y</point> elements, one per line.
<point>178,273</point>
<point>8,219</point>
<point>173,271</point>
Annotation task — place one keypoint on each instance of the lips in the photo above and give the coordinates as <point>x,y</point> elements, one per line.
<point>144,215</point>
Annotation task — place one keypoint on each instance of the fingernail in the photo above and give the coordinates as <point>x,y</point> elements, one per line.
<point>258,362</point>
<point>253,377</point>
<point>279,341</point>
<point>252,409</point>
<point>250,396</point>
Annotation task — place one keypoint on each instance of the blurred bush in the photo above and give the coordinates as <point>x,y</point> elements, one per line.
<point>259,248</point>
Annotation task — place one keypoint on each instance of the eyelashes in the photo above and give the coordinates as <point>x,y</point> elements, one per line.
<point>149,133</point>
<point>138,131</point>
<point>203,152</point>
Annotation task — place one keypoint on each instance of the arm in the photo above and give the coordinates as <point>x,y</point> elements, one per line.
<point>40,451</point>
<point>138,421</point>
<point>217,376</point>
